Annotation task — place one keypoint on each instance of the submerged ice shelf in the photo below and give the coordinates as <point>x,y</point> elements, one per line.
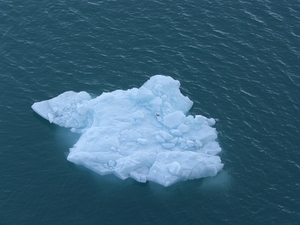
<point>143,133</point>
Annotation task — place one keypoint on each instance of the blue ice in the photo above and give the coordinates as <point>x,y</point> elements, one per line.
<point>144,133</point>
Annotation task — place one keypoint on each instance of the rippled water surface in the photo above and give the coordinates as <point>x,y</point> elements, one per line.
<point>237,60</point>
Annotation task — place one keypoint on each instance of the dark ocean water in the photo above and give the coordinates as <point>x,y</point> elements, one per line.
<point>239,61</point>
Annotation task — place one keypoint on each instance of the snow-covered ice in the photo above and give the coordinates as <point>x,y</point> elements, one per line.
<point>144,133</point>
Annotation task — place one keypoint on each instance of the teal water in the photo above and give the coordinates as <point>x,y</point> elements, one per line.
<point>237,60</point>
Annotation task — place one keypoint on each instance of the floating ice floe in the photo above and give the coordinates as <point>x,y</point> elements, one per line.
<point>143,133</point>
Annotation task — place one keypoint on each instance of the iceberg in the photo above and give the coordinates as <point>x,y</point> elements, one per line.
<point>143,133</point>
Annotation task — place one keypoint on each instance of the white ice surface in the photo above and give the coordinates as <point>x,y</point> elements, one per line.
<point>140,133</point>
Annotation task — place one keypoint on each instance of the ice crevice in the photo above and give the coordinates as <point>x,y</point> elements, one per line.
<point>143,133</point>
